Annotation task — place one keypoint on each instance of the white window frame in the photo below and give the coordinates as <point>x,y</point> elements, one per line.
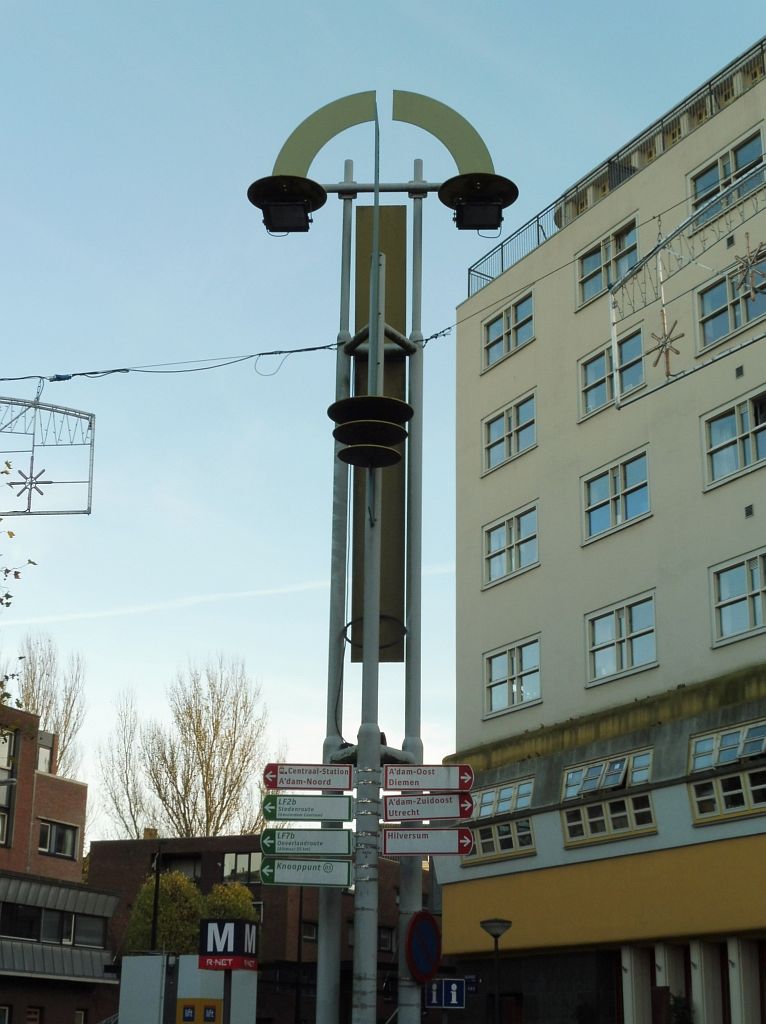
<point>5,1014</point>
<point>507,429</point>
<point>753,596</point>
<point>618,496</point>
<point>505,545</point>
<point>600,265</point>
<point>749,435</point>
<point>503,799</point>
<point>51,826</point>
<point>618,771</point>
<point>508,331</point>
<point>618,818</point>
<point>722,173</point>
<point>3,827</point>
<point>7,747</point>
<point>517,671</point>
<point>727,746</point>
<point>605,377</point>
<point>735,307</point>
<point>625,634</point>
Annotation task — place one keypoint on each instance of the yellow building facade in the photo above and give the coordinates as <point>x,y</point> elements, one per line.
<point>611,585</point>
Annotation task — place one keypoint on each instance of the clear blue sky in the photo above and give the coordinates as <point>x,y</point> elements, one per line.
<point>130,133</point>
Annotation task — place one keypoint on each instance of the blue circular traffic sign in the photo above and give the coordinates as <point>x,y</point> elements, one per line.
<point>423,946</point>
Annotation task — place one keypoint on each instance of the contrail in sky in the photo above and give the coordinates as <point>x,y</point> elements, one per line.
<point>191,601</point>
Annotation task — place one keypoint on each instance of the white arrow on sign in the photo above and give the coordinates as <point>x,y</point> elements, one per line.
<point>420,807</point>
<point>275,871</point>
<point>308,776</point>
<point>404,842</point>
<point>456,777</point>
<point>307,842</point>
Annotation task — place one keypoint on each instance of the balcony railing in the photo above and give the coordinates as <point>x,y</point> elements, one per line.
<point>714,96</point>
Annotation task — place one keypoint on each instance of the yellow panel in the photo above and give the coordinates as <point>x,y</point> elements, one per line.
<point>393,242</point>
<point>199,1011</point>
<point>711,888</point>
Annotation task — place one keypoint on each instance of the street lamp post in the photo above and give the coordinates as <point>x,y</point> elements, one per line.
<point>477,196</point>
<point>496,927</point>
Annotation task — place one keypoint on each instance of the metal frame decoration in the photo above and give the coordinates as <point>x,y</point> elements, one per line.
<point>48,450</point>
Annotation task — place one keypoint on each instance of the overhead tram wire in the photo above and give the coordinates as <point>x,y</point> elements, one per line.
<point>221,362</point>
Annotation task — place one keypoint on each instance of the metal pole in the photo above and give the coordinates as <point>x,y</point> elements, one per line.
<point>330,900</point>
<point>156,899</point>
<point>368,741</point>
<point>299,960</point>
<point>497,979</point>
<point>410,871</point>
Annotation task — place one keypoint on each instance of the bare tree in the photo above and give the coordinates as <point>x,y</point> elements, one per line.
<point>56,695</point>
<point>122,785</point>
<point>198,775</point>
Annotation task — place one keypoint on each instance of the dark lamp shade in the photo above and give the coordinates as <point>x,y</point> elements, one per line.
<point>282,217</point>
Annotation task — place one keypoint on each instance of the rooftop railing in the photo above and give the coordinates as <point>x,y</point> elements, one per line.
<point>737,78</point>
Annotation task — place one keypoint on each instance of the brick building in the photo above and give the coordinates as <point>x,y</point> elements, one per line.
<point>53,950</point>
<point>288,916</point>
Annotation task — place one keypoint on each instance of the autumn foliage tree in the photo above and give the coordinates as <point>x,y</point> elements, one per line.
<point>195,775</point>
<point>180,909</point>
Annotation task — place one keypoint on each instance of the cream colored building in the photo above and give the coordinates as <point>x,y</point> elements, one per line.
<point>611,583</point>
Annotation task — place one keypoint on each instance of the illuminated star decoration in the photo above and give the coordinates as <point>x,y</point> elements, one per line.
<point>29,482</point>
<point>665,342</point>
<point>749,268</point>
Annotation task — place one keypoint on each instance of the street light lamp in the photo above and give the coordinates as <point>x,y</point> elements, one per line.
<point>496,927</point>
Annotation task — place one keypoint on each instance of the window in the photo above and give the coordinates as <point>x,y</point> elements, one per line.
<point>503,838</point>
<point>728,745</point>
<point>617,495</point>
<point>597,373</point>
<point>735,439</point>
<point>5,1015</point>
<point>511,796</point>
<point>614,817</point>
<point>611,773</point>
<point>89,931</point>
<point>510,545</point>
<point>731,166</point>
<point>510,330</point>
<point>730,303</point>
<point>190,866</point>
<point>309,931</point>
<point>607,262</point>
<point>6,789</point>
<point>509,837</point>
<point>621,639</point>
<point>513,676</point>
<point>20,921</point>
<point>58,926</point>
<point>57,839</point>
<point>740,794</point>
<point>509,432</point>
<point>6,749</point>
<point>242,867</point>
<point>611,819</point>
<point>739,594</point>
<point>386,942</point>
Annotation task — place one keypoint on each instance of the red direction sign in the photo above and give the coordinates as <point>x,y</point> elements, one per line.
<point>435,805</point>
<point>308,776</point>
<point>455,777</point>
<point>404,842</point>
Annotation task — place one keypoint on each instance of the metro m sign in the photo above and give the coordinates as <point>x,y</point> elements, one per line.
<point>228,945</point>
